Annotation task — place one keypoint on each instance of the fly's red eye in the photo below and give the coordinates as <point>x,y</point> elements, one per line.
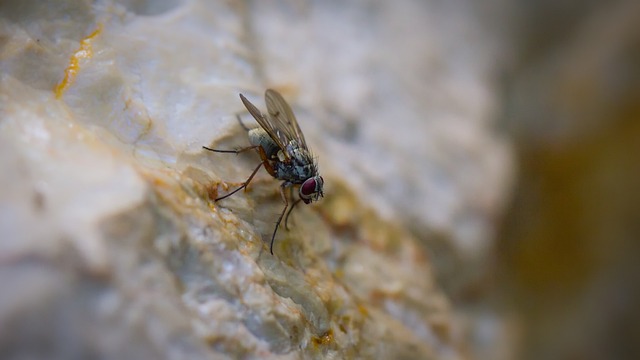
<point>308,187</point>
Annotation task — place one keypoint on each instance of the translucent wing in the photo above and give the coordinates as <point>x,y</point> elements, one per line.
<point>284,122</point>
<point>265,123</point>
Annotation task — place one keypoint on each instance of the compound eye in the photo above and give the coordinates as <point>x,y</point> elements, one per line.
<point>308,188</point>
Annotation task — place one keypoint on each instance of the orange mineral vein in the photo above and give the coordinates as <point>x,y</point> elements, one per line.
<point>85,51</point>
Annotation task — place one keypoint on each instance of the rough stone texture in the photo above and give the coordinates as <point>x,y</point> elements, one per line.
<point>111,245</point>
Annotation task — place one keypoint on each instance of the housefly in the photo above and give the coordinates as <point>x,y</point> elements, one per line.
<point>284,154</point>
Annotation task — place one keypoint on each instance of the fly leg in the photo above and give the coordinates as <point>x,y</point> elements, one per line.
<point>242,124</point>
<point>265,162</point>
<point>244,184</point>
<point>286,218</point>
<point>238,151</point>
<point>286,205</point>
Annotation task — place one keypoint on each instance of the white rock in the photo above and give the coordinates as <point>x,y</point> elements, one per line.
<point>111,245</point>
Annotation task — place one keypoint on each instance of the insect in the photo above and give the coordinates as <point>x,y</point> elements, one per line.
<point>284,154</point>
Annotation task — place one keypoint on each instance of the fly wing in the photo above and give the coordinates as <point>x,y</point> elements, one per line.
<point>267,125</point>
<point>284,121</point>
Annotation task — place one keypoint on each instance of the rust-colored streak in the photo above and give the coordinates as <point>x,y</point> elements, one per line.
<point>85,51</point>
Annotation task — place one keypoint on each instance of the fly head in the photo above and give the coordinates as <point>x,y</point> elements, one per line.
<point>311,189</point>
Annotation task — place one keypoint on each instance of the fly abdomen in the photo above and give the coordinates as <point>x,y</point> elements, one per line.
<point>259,136</point>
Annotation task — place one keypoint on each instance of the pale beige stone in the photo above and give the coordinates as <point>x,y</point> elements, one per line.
<point>111,245</point>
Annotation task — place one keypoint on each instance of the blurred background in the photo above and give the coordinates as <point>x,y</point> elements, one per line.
<point>567,250</point>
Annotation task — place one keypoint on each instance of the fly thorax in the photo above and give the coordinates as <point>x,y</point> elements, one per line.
<point>303,165</point>
<point>300,167</point>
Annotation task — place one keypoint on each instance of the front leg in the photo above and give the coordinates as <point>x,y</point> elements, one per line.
<point>284,185</point>
<point>286,218</point>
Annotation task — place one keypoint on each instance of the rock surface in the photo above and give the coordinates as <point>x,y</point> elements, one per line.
<point>111,245</point>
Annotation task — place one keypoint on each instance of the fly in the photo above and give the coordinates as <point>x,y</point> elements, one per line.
<point>284,154</point>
